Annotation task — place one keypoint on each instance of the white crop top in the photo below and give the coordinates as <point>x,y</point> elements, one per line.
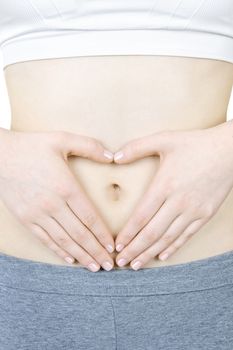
<point>39,29</point>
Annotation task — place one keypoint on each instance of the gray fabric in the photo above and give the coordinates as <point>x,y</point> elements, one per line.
<point>186,306</point>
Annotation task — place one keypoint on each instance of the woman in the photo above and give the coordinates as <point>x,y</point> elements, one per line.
<point>118,139</point>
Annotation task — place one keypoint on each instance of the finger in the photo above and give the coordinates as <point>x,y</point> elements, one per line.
<point>80,234</point>
<point>63,240</point>
<point>150,233</point>
<point>85,210</point>
<point>83,146</point>
<point>193,228</point>
<point>173,231</point>
<point>147,207</point>
<point>43,236</point>
<point>150,145</point>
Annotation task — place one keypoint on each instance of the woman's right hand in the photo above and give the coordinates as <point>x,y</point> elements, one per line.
<point>38,187</point>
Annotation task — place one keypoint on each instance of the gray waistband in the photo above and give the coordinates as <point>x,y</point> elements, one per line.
<point>212,272</point>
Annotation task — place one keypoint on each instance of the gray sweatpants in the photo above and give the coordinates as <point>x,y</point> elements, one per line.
<point>52,307</point>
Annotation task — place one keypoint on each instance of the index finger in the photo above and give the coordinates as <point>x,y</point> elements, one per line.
<point>145,209</point>
<point>85,210</point>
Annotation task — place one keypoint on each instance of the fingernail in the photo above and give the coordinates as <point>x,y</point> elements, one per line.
<point>163,256</point>
<point>136,265</point>
<point>119,247</point>
<point>118,155</point>
<point>69,260</point>
<point>107,265</point>
<point>108,154</point>
<point>110,248</point>
<point>121,262</point>
<point>93,267</point>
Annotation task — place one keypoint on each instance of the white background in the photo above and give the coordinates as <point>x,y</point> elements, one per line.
<point>5,112</point>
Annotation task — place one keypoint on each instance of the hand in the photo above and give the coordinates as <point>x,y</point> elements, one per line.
<point>195,175</point>
<point>38,187</point>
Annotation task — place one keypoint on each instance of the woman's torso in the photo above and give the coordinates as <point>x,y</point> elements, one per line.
<point>116,99</point>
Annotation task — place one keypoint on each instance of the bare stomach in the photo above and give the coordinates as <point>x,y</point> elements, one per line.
<point>116,99</point>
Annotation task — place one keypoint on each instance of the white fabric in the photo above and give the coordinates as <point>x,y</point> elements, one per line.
<point>40,29</point>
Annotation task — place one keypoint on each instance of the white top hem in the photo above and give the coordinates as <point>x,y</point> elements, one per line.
<point>72,43</point>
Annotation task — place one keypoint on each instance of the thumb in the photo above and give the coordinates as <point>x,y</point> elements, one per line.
<point>150,145</point>
<point>84,146</point>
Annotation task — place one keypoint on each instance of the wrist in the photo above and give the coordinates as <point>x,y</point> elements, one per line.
<point>223,138</point>
<point>4,131</point>
<point>225,131</point>
<point>4,137</point>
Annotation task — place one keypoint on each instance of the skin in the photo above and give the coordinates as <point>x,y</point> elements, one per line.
<point>174,207</point>
<point>183,196</point>
<point>55,205</point>
<point>103,99</point>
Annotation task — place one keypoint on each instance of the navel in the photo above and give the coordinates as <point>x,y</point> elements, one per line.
<point>114,191</point>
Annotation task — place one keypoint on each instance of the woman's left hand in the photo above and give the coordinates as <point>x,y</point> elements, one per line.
<point>195,175</point>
